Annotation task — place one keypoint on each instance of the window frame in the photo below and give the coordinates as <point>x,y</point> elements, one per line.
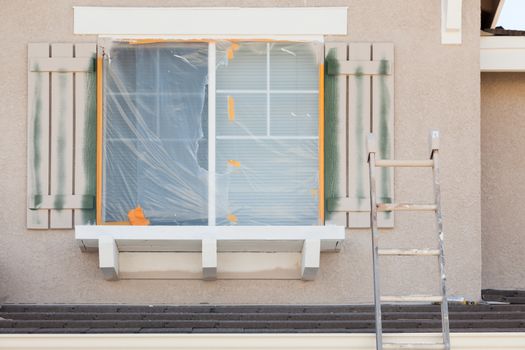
<point>212,137</point>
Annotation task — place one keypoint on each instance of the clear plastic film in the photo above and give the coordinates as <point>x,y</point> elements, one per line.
<point>157,152</point>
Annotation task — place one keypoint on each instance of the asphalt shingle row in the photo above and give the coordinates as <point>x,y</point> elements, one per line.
<point>254,319</point>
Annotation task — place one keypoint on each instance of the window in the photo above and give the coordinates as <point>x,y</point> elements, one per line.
<point>211,133</point>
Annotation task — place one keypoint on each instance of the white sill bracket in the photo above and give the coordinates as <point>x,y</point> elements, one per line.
<point>309,241</point>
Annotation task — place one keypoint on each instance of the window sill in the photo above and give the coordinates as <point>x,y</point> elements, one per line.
<point>208,241</point>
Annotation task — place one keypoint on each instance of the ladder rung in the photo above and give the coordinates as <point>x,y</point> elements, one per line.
<point>405,207</point>
<point>409,252</point>
<point>412,298</point>
<point>421,346</point>
<point>387,163</point>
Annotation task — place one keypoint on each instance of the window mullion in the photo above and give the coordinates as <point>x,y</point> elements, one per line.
<point>267,89</point>
<point>211,134</point>
<point>157,97</point>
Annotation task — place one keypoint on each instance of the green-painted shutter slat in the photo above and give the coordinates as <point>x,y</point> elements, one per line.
<point>359,90</point>
<point>37,137</point>
<point>61,138</point>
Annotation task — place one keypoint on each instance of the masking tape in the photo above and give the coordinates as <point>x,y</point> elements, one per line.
<point>161,41</point>
<point>232,218</point>
<point>136,217</point>
<point>231,109</point>
<point>234,163</point>
<point>321,144</point>
<point>229,53</point>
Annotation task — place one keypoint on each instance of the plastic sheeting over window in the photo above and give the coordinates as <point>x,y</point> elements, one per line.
<point>156,149</point>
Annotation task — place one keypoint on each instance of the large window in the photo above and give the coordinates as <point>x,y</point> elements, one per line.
<point>211,133</point>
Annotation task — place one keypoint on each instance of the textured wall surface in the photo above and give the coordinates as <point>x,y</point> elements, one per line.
<point>436,86</point>
<point>503,179</point>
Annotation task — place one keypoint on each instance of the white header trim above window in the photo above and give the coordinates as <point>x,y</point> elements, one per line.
<point>210,21</point>
<point>249,37</point>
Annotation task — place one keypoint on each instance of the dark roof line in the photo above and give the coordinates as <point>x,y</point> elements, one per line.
<point>254,318</point>
<point>500,31</point>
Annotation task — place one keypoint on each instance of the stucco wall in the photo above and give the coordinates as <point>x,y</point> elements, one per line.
<point>436,86</point>
<point>503,179</point>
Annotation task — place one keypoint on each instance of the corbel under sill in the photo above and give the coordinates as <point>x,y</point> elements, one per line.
<point>209,252</point>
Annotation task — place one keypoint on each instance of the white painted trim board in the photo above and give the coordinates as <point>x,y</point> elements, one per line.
<point>361,341</point>
<point>210,21</point>
<point>502,54</point>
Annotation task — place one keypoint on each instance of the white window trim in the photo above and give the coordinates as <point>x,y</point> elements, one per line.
<point>211,21</point>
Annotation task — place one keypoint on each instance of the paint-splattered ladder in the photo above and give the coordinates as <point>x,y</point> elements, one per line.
<point>375,207</point>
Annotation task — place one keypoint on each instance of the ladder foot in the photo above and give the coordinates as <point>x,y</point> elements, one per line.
<point>409,252</point>
<point>412,299</point>
<point>419,346</point>
<point>405,207</point>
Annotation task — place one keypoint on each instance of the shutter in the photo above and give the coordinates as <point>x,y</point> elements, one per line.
<point>359,99</point>
<point>61,135</point>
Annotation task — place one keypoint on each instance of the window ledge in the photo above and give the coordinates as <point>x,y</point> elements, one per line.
<point>309,241</point>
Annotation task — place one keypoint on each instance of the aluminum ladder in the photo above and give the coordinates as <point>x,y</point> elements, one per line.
<point>432,162</point>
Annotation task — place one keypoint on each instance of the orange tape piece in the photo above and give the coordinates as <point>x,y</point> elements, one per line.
<point>232,218</point>
<point>234,163</point>
<point>229,53</point>
<point>136,217</point>
<point>146,41</point>
<point>98,209</point>
<point>160,41</point>
<point>231,109</point>
<point>321,144</point>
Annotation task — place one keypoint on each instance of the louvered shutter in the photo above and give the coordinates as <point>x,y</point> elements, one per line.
<point>61,135</point>
<point>359,99</point>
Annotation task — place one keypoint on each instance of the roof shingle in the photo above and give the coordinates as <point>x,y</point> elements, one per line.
<point>254,319</point>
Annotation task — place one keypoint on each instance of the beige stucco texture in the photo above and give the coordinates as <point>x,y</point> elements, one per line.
<point>436,86</point>
<point>503,179</point>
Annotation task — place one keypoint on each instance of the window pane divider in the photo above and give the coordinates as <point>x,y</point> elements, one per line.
<point>157,97</point>
<point>268,89</point>
<point>211,133</point>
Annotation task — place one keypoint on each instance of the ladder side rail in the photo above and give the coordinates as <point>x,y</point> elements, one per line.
<point>375,240</point>
<point>439,226</point>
